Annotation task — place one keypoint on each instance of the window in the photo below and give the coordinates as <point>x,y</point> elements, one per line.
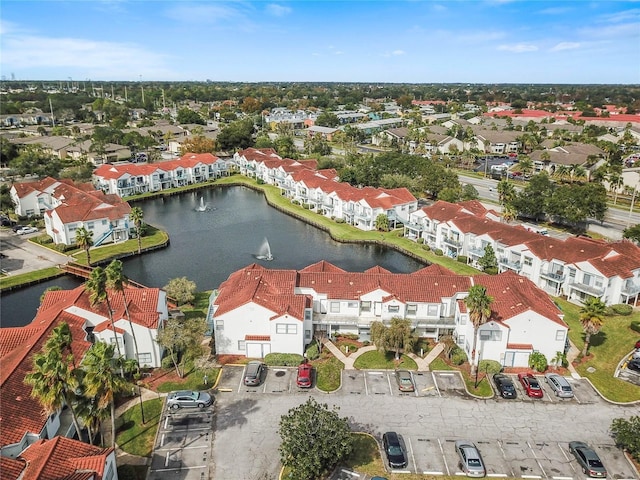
<point>90,225</point>
<point>308,314</point>
<point>335,307</point>
<point>394,308</point>
<point>220,325</point>
<point>307,334</point>
<point>287,328</point>
<point>144,359</point>
<point>559,335</point>
<point>104,222</point>
<point>528,261</point>
<point>109,475</point>
<point>352,305</point>
<point>432,310</point>
<point>491,335</point>
<point>412,309</point>
<point>365,306</point>
<point>241,345</point>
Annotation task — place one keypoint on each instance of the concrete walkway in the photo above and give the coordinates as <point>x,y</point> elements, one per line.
<point>349,360</point>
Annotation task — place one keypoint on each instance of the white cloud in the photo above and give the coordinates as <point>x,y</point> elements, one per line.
<point>277,10</point>
<point>204,13</point>
<point>338,52</point>
<point>398,52</point>
<point>565,46</point>
<point>518,48</point>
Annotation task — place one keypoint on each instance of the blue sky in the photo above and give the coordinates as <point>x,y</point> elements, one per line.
<point>482,41</point>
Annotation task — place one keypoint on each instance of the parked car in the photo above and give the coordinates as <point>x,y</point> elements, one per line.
<point>188,399</point>
<point>531,385</point>
<point>559,385</point>
<point>634,365</point>
<point>27,230</point>
<point>305,370</point>
<point>17,228</point>
<point>504,385</point>
<point>405,381</point>
<point>396,456</point>
<point>638,344</point>
<point>470,459</point>
<point>253,373</point>
<point>588,459</point>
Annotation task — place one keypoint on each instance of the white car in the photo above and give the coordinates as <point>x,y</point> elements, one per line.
<point>27,230</point>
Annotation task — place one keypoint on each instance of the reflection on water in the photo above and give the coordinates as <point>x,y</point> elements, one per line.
<point>208,246</point>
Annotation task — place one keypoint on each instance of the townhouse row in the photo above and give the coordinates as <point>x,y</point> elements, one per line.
<point>321,192</point>
<point>257,310</point>
<point>578,267</point>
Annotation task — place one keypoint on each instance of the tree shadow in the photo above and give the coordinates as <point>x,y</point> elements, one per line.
<point>235,413</point>
<point>635,326</point>
<point>597,339</point>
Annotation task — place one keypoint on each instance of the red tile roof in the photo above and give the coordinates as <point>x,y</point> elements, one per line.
<point>10,468</point>
<point>20,412</point>
<point>188,160</point>
<point>258,338</point>
<point>63,458</point>
<point>519,346</point>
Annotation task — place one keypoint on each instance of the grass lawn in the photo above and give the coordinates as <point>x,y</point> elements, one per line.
<point>8,281</point>
<point>377,359</point>
<point>328,373</point>
<point>194,380</point>
<point>135,437</point>
<point>607,348</point>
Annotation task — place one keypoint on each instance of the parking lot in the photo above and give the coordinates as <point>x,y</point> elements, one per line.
<point>183,445</point>
<point>282,380</point>
<point>510,458</point>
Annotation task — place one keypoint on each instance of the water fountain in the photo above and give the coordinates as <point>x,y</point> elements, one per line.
<point>265,251</point>
<point>203,206</point>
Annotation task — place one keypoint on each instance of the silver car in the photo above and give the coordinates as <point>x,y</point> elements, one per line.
<point>188,398</point>
<point>470,459</point>
<point>559,385</point>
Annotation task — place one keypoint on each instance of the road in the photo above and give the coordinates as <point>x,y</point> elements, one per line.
<point>23,256</point>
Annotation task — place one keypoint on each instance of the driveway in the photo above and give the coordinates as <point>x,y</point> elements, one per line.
<point>23,256</point>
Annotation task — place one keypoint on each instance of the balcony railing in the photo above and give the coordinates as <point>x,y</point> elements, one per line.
<point>590,289</point>
<point>631,288</point>
<point>511,264</point>
<point>556,277</point>
<point>452,241</point>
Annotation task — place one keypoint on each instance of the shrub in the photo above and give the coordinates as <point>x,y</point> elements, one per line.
<point>426,247</point>
<point>489,366</point>
<point>458,356</point>
<point>622,309</point>
<point>260,181</point>
<point>491,270</point>
<point>438,252</point>
<point>167,363</point>
<point>462,259</point>
<point>312,351</point>
<point>339,220</point>
<point>420,241</point>
<point>283,359</point>
<point>306,206</point>
<point>348,336</point>
<point>538,362</point>
<point>62,248</point>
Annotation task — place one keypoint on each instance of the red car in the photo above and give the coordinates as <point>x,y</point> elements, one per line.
<point>638,344</point>
<point>531,385</point>
<point>303,380</point>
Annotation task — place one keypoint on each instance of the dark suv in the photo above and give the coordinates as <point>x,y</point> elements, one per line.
<point>253,373</point>
<point>394,450</point>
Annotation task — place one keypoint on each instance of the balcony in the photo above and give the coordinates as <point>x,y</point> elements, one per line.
<point>476,252</point>
<point>588,289</point>
<point>631,288</point>
<point>510,264</point>
<point>555,277</point>
<point>452,241</point>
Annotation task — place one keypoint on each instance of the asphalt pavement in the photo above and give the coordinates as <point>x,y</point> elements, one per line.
<point>21,256</point>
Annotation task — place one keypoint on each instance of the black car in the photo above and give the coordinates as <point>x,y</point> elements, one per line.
<point>505,386</point>
<point>254,373</point>
<point>634,365</point>
<point>394,450</point>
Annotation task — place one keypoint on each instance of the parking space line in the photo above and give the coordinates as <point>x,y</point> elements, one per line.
<point>562,478</point>
<point>536,458</point>
<point>504,456</point>
<point>426,472</point>
<point>435,383</point>
<point>446,465</point>
<point>498,475</point>
<point>366,388</point>
<point>162,440</point>
<point>178,468</point>
<point>413,458</point>
<point>531,476</point>
<point>180,448</point>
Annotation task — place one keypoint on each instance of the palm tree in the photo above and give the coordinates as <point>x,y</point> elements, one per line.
<point>526,165</point>
<point>561,172</point>
<point>479,305</point>
<point>101,381</point>
<point>53,381</point>
<point>84,239</point>
<point>97,287</point>
<point>136,216</point>
<point>592,316</point>
<point>116,280</point>
<point>506,192</point>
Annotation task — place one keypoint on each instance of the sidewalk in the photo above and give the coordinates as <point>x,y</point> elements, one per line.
<point>348,361</point>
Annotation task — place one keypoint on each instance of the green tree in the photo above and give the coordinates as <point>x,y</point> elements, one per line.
<point>632,233</point>
<point>395,337</point>
<point>382,223</point>
<point>238,134</point>
<point>327,119</point>
<point>102,382</point>
<point>54,379</point>
<point>84,240</point>
<point>116,280</point>
<point>186,115</point>
<point>479,304</point>
<point>531,201</point>
<point>314,440</point>
<point>488,261</point>
<point>626,434</point>
<point>592,316</point>
<point>181,290</point>
<point>183,340</point>
<point>137,216</point>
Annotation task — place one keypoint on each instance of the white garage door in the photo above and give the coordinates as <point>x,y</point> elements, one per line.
<point>258,350</point>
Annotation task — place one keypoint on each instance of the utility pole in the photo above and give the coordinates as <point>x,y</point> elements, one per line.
<point>633,200</point>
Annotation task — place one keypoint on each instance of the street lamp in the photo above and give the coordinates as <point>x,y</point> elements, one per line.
<point>633,199</point>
